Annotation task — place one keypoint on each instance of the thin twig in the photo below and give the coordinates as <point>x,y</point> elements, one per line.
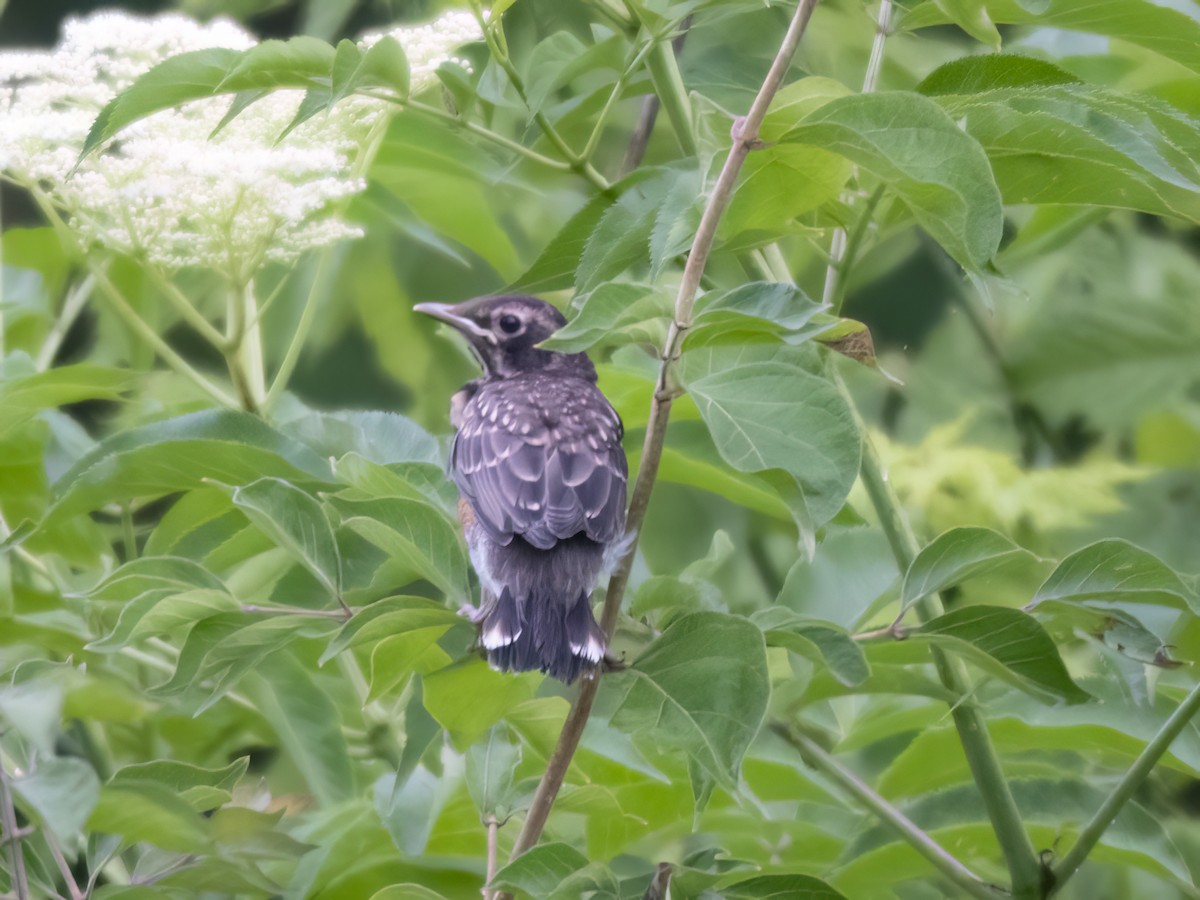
<point>905,828</point>
<point>8,819</point>
<point>73,305</point>
<point>1125,789</point>
<point>639,140</point>
<point>744,140</point>
<point>64,868</point>
<point>837,249</point>
<point>493,834</point>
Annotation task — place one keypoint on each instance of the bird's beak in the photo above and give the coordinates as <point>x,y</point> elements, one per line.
<point>452,316</point>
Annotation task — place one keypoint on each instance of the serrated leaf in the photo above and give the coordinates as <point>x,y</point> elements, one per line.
<point>766,409</point>
<point>161,612</point>
<point>791,887</point>
<point>60,794</point>
<point>193,784</point>
<point>296,523</point>
<point>1006,643</point>
<point>540,871</point>
<point>614,313</point>
<point>975,74</point>
<point>415,533</point>
<point>554,268</point>
<point>757,308</point>
<point>388,617</point>
<point>822,642</point>
<point>179,454</point>
<point>23,398</point>
<point>910,144</point>
<point>142,811</point>
<point>491,764</point>
<point>298,62</point>
<point>701,687</point>
<point>955,556</point>
<point>1116,570</point>
<point>452,698</point>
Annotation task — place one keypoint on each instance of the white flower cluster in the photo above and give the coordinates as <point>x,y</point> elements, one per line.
<point>166,190</point>
<point>427,46</point>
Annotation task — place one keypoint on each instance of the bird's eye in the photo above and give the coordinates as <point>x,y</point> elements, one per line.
<point>510,324</point>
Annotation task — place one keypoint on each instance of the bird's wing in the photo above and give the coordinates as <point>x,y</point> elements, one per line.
<point>543,461</point>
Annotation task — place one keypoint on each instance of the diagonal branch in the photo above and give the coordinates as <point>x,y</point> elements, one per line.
<point>905,828</point>
<point>8,820</point>
<point>1126,787</point>
<point>745,137</point>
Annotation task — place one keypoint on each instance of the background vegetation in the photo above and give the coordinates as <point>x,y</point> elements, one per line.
<point>914,607</point>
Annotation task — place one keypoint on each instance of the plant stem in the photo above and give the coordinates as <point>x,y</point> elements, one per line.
<point>8,819</point>
<point>850,245</point>
<point>656,428</point>
<point>613,96</point>
<point>339,613</point>
<point>493,833</point>
<point>1023,865</point>
<point>837,249</point>
<point>1126,787</point>
<point>139,326</point>
<point>128,536</point>
<point>185,308</point>
<point>905,828</point>
<point>64,868</point>
<point>76,299</point>
<point>670,89</point>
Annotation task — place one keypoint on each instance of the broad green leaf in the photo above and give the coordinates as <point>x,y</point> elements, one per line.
<point>1116,570</point>
<point>766,409</point>
<point>976,74</point>
<point>142,811</point>
<point>614,313</point>
<point>1084,145</point>
<point>821,642</point>
<point>781,183</point>
<point>452,698</point>
<point>383,438</point>
<point>411,481</point>
<point>796,101</point>
<point>308,724</point>
<point>540,871</point>
<point>34,710</point>
<point>911,145</point>
<point>384,65</point>
<point>162,612</point>
<point>299,62</point>
<point>757,308</point>
<point>295,522</point>
<point>60,794</point>
<point>179,79</point>
<point>491,764</point>
<point>155,574</point>
<point>386,618</point>
<point>346,60</point>
<point>701,687</point>
<point>957,555</point>
<point>1155,26</point>
<point>23,398</point>
<point>179,454</point>
<point>397,657</point>
<point>1008,644</point>
<point>782,887</point>
<point>414,533</point>
<point>972,17</point>
<point>554,269</point>
<point>195,785</point>
<point>408,891</point>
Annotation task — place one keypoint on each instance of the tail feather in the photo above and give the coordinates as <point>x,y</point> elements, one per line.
<point>542,633</point>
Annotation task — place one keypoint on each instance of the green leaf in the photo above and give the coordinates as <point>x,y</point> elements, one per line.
<point>295,522</point>
<point>384,65</point>
<point>34,709</point>
<point>766,409</point>
<point>819,641</point>
<point>414,533</point>
<point>407,892</point>
<point>180,454</point>
<point>781,183</point>
<point>1006,643</point>
<point>972,17</point>
<point>195,785</point>
<point>701,687</point>
<point>614,313</point>
<point>1116,570</point>
<point>540,871</point>
<point>1084,145</point>
<point>60,794</point>
<point>452,698</point>
<point>299,62</point>
<point>383,438</point>
<point>141,811</point>
<point>976,74</point>
<point>179,79</point>
<point>784,887</point>
<point>386,618</point>
<point>1155,26</point>
<point>909,143</point>
<point>491,765</point>
<point>158,574</point>
<point>308,724</point>
<point>554,268</point>
<point>162,612</point>
<point>955,556</point>
<point>23,398</point>
<point>757,308</point>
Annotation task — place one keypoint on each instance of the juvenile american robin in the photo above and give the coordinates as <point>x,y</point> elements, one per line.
<point>541,478</point>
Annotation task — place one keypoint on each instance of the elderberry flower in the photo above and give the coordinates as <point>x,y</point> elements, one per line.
<point>166,190</point>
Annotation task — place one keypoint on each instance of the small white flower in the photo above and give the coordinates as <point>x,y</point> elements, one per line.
<point>163,190</point>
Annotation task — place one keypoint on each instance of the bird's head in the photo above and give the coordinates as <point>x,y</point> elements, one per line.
<point>504,332</point>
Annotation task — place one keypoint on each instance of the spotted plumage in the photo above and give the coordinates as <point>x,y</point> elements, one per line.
<point>541,474</point>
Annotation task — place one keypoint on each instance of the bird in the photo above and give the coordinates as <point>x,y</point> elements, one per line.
<point>542,478</point>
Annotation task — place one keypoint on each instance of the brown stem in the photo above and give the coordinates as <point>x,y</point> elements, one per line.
<point>493,831</point>
<point>745,138</point>
<point>8,819</point>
